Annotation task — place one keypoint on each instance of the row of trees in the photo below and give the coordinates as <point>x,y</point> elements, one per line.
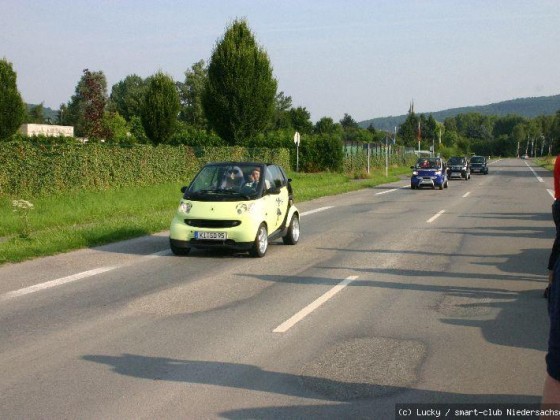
<point>510,135</point>
<point>233,100</point>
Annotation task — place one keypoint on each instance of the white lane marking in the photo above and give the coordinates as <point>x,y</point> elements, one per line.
<point>54,283</point>
<point>305,213</point>
<point>551,192</point>
<point>534,173</point>
<point>285,326</point>
<point>74,277</point>
<point>466,194</point>
<point>385,192</point>
<point>91,273</point>
<point>431,219</point>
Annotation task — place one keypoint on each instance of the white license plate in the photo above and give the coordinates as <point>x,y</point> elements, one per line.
<point>213,236</point>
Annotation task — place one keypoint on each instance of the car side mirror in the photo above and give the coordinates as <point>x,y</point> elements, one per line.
<point>183,189</point>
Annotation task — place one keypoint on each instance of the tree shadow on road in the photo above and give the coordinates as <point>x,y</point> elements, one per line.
<point>379,403</point>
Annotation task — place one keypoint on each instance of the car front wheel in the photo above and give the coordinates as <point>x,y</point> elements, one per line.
<point>292,237</point>
<point>261,242</point>
<point>179,251</point>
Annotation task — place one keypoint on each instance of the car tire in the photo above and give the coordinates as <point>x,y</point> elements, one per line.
<point>261,242</point>
<point>292,236</point>
<point>440,186</point>
<point>181,252</point>
<point>446,185</point>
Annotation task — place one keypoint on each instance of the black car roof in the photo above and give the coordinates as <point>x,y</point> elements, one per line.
<point>249,163</point>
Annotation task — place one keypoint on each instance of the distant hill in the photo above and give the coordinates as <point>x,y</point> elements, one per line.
<point>526,107</point>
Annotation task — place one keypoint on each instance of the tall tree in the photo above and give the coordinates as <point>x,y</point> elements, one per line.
<point>12,108</point>
<point>190,94</point>
<point>127,96</point>
<point>87,106</point>
<point>240,94</point>
<point>160,108</point>
<point>408,130</point>
<point>283,104</point>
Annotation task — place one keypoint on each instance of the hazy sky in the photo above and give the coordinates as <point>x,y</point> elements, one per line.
<point>365,58</point>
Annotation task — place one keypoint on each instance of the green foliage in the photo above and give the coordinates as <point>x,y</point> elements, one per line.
<point>12,108</point>
<point>86,108</point>
<point>190,93</point>
<point>283,104</point>
<point>239,99</point>
<point>326,125</point>
<point>321,153</point>
<point>127,96</point>
<point>117,129</point>
<point>300,119</point>
<point>22,208</point>
<point>160,108</point>
<point>36,115</point>
<point>188,135</point>
<point>137,130</point>
<point>76,167</point>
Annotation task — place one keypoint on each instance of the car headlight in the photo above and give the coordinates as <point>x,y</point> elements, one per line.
<point>185,206</point>
<point>242,208</point>
<point>414,173</point>
<point>438,172</point>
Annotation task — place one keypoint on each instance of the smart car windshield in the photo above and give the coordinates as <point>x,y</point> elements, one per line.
<point>477,159</point>
<point>231,181</point>
<point>428,163</point>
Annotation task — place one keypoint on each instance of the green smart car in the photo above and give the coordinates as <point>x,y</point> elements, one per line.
<point>235,205</point>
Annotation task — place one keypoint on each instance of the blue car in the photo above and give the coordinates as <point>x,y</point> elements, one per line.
<point>429,172</point>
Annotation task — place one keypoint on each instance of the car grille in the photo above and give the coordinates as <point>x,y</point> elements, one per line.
<point>205,223</point>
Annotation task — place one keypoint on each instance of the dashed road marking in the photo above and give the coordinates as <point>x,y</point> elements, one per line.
<point>285,326</point>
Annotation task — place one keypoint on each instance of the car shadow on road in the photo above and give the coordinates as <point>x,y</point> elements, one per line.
<point>375,400</point>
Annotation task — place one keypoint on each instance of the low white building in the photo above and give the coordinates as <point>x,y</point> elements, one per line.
<point>46,130</point>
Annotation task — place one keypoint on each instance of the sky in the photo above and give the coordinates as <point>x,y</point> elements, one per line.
<point>367,59</point>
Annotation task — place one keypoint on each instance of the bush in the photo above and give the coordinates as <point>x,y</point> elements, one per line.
<point>38,169</point>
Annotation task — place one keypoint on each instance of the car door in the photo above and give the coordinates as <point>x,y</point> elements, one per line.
<point>277,197</point>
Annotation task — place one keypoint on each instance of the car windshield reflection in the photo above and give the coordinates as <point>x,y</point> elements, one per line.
<point>226,182</point>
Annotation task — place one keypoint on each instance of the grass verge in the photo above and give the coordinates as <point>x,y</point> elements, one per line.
<point>79,220</point>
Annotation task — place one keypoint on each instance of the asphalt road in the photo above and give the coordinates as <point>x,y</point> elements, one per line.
<point>392,296</point>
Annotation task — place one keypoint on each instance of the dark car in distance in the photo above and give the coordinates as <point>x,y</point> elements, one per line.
<point>458,167</point>
<point>479,165</point>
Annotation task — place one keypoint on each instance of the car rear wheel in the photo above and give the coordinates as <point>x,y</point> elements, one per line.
<point>292,237</point>
<point>261,242</point>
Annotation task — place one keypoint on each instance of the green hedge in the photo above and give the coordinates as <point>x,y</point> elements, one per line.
<point>37,169</point>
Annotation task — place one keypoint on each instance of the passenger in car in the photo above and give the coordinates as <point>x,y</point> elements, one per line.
<point>233,178</point>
